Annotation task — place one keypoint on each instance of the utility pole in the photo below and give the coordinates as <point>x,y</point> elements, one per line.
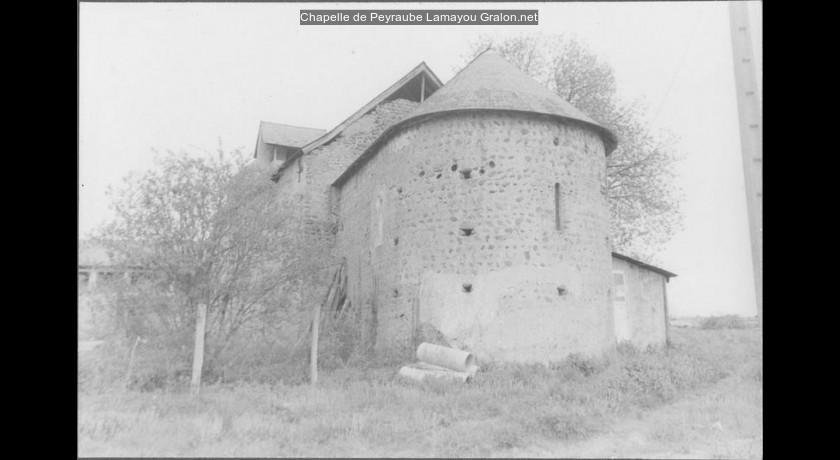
<point>749,117</point>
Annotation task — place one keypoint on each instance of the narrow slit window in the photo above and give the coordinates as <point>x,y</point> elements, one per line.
<point>557,222</point>
<point>378,222</point>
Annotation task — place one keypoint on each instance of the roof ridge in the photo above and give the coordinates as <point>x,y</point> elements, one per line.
<point>431,72</point>
<point>292,126</point>
<point>469,64</point>
<point>378,99</point>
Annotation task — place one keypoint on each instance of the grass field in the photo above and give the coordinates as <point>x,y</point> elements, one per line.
<point>701,398</point>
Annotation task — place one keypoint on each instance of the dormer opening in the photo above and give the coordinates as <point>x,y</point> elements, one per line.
<point>279,154</point>
<point>417,89</point>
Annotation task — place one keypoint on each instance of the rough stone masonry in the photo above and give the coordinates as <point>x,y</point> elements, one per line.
<point>479,213</point>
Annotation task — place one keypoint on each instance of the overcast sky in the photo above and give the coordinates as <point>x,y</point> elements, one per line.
<point>179,76</point>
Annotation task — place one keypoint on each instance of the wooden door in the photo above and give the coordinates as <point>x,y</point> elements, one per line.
<point>622,328</point>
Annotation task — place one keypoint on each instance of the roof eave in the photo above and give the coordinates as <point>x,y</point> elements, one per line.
<point>259,140</point>
<point>652,268</point>
<point>606,136</point>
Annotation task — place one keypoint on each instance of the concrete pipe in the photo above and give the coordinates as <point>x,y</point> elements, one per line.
<point>471,370</point>
<point>441,374</point>
<point>449,358</point>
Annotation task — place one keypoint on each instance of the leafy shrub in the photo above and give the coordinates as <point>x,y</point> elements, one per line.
<point>526,374</point>
<point>723,322</point>
<point>100,369</point>
<point>691,372</point>
<point>627,348</point>
<point>648,377</point>
<point>577,365</point>
<point>566,426</point>
<point>654,376</point>
<point>507,438</point>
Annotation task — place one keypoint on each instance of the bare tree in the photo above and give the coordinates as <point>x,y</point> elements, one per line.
<point>207,229</point>
<point>644,203</point>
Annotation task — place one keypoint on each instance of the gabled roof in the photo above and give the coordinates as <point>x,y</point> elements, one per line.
<point>431,85</point>
<point>288,135</point>
<point>285,135</point>
<point>662,272</point>
<point>489,82</point>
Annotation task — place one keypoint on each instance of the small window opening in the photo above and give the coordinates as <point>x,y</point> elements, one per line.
<point>561,290</point>
<point>492,164</point>
<point>438,176</point>
<point>466,173</point>
<point>481,171</point>
<point>466,287</point>
<point>454,167</point>
<point>466,231</point>
<point>422,173</point>
<point>557,207</point>
<point>619,286</point>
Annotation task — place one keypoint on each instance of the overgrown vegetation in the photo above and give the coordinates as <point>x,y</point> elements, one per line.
<point>723,322</point>
<point>508,410</point>
<point>201,229</point>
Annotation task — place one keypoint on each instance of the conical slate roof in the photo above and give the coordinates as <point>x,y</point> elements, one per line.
<point>489,82</point>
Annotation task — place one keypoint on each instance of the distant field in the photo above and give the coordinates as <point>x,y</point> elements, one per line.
<point>726,321</point>
<point>702,398</point>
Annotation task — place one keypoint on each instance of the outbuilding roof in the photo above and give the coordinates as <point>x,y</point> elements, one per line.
<point>633,261</point>
<point>288,135</point>
<point>285,135</point>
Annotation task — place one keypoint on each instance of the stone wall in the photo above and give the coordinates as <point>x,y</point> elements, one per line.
<point>645,294</point>
<point>305,188</point>
<point>453,223</point>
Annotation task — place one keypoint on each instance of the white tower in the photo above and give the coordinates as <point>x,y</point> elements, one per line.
<point>749,115</point>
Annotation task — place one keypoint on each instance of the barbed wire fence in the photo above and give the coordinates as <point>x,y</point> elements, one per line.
<point>141,343</point>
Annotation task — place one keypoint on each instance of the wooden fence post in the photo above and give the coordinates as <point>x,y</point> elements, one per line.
<point>198,352</point>
<point>313,351</point>
<point>131,364</point>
